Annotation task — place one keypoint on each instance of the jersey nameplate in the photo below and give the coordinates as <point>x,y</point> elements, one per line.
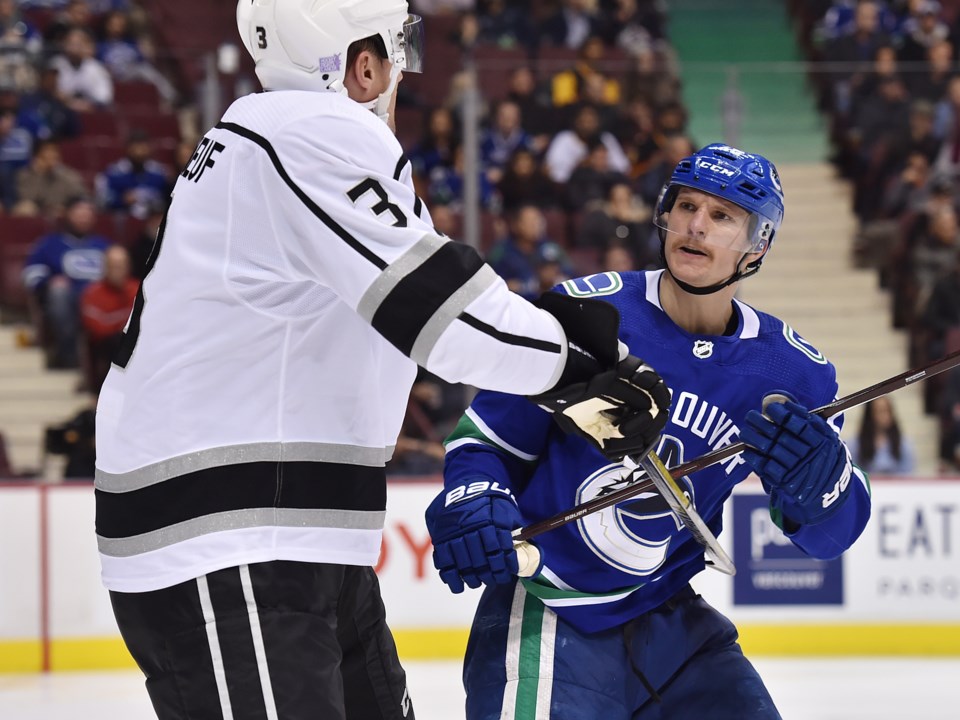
<point>202,159</point>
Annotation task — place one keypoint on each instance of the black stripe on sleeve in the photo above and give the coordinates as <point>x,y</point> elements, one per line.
<point>401,164</point>
<point>410,305</point>
<point>509,338</point>
<point>417,206</point>
<point>303,197</point>
<point>303,485</point>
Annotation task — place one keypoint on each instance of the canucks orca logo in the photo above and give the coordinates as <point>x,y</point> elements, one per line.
<point>633,536</point>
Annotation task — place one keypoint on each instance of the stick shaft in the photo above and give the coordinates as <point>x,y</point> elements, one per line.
<point>884,387</point>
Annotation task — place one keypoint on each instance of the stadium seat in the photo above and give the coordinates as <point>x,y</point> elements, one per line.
<point>100,123</point>
<point>135,95</point>
<point>157,125</point>
<point>494,66</point>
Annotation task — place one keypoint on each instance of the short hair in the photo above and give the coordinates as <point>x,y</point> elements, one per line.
<point>372,43</point>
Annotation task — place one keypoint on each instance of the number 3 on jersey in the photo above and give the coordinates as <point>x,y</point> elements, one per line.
<point>383,205</point>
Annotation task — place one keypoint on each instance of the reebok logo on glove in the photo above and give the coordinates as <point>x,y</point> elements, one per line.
<point>465,492</point>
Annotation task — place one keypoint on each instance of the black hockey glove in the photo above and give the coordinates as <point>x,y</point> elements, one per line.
<point>620,407</point>
<point>800,459</point>
<point>591,327</point>
<point>620,411</point>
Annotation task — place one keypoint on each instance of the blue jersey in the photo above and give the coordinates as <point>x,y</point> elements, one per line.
<point>613,565</point>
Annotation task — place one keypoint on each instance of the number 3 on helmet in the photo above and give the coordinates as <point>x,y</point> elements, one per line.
<point>302,44</point>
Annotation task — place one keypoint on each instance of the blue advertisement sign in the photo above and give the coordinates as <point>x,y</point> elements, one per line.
<point>771,570</point>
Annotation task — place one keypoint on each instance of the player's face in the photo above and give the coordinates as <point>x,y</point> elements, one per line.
<point>705,236</point>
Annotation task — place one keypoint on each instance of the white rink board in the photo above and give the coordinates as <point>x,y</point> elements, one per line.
<point>904,569</point>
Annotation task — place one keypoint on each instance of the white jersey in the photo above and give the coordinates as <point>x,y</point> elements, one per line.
<point>295,284</point>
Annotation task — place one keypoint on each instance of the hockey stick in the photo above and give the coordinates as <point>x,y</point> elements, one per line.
<point>885,387</point>
<point>680,503</point>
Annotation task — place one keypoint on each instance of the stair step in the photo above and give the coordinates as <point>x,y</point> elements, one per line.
<point>809,283</point>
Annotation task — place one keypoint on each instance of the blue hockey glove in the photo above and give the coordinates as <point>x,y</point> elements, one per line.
<point>800,459</point>
<point>471,529</point>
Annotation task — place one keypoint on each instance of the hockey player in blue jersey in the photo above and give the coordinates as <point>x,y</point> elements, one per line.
<point>609,627</point>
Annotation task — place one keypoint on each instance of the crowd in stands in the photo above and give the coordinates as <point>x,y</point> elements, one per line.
<point>582,120</point>
<point>888,78</point>
<point>89,144</point>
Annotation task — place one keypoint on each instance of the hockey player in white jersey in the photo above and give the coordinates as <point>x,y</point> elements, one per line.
<point>295,284</point>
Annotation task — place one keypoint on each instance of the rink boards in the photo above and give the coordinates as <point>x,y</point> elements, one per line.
<point>896,592</point>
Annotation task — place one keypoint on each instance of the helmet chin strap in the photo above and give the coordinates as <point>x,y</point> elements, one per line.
<point>738,274</point>
<point>380,106</point>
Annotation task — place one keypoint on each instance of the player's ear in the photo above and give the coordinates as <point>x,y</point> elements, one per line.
<point>362,77</point>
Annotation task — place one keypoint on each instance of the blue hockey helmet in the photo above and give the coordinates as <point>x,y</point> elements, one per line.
<point>748,181</point>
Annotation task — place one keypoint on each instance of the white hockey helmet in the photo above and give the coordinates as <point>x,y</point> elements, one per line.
<point>302,44</point>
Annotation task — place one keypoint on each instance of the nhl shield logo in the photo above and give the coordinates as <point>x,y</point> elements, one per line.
<point>702,349</point>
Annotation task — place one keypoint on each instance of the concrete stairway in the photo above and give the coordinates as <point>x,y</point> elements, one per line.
<point>808,282</point>
<point>32,397</point>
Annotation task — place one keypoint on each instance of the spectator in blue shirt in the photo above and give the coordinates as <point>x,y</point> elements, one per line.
<point>518,257</point>
<point>48,106</point>
<point>135,183</point>
<point>505,136</point>
<point>122,55</point>
<point>16,149</point>
<point>59,267</point>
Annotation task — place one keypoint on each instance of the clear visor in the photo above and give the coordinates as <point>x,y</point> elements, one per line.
<point>705,219</point>
<point>407,50</point>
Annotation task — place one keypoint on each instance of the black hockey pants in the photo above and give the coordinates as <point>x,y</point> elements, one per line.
<point>269,641</point>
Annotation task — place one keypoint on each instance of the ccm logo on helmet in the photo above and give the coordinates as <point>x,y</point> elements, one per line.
<point>707,165</point>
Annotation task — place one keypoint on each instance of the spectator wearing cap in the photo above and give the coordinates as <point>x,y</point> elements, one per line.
<point>60,265</point>
<point>552,266</point>
<point>922,31</point>
<point>46,184</point>
<point>82,81</point>
<point>518,256</point>
<point>136,183</point>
